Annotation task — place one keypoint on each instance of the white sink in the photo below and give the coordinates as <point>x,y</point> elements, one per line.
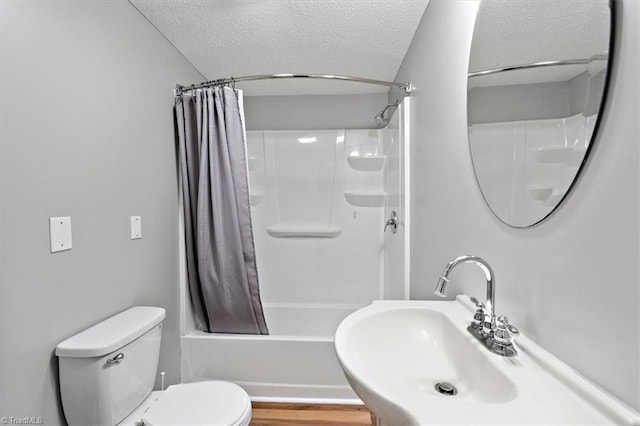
<point>395,352</point>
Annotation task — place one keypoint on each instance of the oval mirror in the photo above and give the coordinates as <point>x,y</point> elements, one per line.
<point>537,77</point>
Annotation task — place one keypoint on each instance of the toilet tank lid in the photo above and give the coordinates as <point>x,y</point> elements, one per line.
<point>112,333</point>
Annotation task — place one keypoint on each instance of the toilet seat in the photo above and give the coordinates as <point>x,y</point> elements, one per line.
<point>201,403</point>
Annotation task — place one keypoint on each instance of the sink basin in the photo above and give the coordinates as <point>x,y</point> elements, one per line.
<point>395,353</point>
<point>425,348</point>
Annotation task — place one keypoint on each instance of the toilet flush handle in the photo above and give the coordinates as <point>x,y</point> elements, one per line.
<point>116,359</point>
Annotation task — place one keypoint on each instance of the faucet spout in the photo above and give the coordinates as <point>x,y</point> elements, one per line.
<point>495,333</point>
<point>441,286</point>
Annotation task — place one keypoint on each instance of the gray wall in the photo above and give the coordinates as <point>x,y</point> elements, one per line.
<point>305,112</point>
<point>87,131</point>
<point>571,283</point>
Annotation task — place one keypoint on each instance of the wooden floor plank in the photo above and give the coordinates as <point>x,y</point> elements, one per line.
<point>276,414</point>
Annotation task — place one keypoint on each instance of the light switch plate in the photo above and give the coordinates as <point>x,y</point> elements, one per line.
<point>136,227</point>
<point>60,233</point>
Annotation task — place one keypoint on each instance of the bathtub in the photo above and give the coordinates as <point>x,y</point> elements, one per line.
<point>295,363</point>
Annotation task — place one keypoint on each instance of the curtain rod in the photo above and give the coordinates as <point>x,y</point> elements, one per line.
<point>600,57</point>
<point>180,89</point>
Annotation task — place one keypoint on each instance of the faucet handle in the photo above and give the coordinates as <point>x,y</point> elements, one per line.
<point>476,301</point>
<point>504,321</point>
<point>504,332</point>
<point>479,316</point>
<point>392,222</point>
<point>501,340</point>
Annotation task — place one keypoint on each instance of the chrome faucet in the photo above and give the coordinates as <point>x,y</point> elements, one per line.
<point>495,333</point>
<point>489,305</point>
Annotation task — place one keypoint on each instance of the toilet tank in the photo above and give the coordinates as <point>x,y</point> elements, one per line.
<point>107,370</point>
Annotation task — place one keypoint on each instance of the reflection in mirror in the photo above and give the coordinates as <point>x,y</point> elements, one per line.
<point>536,84</point>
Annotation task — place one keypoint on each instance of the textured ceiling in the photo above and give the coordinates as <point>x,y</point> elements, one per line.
<point>509,32</point>
<point>225,38</point>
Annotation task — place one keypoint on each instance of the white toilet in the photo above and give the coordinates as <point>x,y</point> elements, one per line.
<point>107,374</point>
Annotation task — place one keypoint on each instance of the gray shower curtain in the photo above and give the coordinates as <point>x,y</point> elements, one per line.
<point>221,261</point>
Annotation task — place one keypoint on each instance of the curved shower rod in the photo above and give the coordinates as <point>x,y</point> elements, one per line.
<point>180,89</point>
<point>586,61</point>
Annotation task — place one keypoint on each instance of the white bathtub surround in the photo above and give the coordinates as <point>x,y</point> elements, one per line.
<point>296,362</point>
<point>396,137</point>
<point>324,198</point>
<point>312,246</point>
<point>541,159</point>
<point>320,258</point>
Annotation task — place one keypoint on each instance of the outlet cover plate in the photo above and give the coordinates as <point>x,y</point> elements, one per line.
<point>136,227</point>
<point>60,233</point>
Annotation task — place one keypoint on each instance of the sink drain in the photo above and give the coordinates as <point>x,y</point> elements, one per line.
<point>446,388</point>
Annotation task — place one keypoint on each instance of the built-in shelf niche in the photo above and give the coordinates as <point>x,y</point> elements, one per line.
<point>545,193</point>
<point>365,198</point>
<point>554,198</point>
<point>256,198</point>
<point>282,231</point>
<point>557,155</point>
<point>540,192</point>
<point>367,163</point>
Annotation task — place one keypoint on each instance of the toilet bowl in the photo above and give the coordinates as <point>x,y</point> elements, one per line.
<point>209,402</point>
<point>107,374</point>
<point>201,403</point>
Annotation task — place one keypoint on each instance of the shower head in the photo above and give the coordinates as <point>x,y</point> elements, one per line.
<point>380,119</point>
